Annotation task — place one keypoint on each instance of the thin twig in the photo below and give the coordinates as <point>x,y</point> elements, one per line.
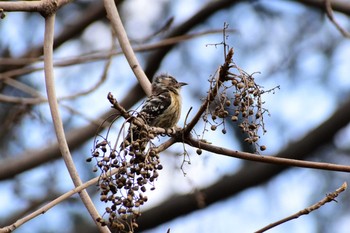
<point>23,87</point>
<point>40,99</point>
<point>53,104</point>
<point>117,106</point>
<point>21,100</point>
<point>97,55</point>
<point>329,197</point>
<point>117,24</point>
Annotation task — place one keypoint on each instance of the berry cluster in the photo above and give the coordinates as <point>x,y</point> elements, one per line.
<point>125,176</point>
<point>242,105</point>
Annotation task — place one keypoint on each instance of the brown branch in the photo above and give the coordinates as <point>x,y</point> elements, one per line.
<point>44,7</point>
<point>267,158</point>
<point>221,76</point>
<point>117,106</point>
<point>329,197</point>
<point>113,15</point>
<point>329,12</point>
<point>29,6</point>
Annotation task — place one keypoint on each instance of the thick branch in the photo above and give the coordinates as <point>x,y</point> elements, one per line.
<point>51,95</point>
<point>44,7</point>
<point>29,6</point>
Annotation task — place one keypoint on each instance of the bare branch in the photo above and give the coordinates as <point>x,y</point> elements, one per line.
<point>21,100</point>
<point>117,24</point>
<point>51,94</point>
<point>43,7</point>
<point>329,197</point>
<point>266,158</point>
<point>30,6</point>
<point>40,99</point>
<point>329,12</point>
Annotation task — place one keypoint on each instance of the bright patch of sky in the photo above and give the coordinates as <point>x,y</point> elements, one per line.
<point>13,32</point>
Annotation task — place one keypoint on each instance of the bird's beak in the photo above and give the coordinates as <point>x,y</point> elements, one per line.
<point>182,84</point>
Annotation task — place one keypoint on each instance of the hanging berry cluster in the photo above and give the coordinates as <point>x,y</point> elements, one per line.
<point>135,167</point>
<point>242,105</point>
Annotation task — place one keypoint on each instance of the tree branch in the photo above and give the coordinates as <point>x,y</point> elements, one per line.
<point>51,95</point>
<point>117,24</point>
<point>44,7</point>
<point>267,158</point>
<point>330,15</point>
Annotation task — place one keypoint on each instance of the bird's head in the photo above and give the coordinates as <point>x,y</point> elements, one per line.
<point>165,82</point>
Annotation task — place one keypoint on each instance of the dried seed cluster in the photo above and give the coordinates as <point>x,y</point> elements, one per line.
<point>242,105</point>
<point>137,169</point>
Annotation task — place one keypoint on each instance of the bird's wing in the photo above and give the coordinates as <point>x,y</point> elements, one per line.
<point>154,106</point>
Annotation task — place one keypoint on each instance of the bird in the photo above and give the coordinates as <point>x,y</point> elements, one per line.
<point>161,109</point>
